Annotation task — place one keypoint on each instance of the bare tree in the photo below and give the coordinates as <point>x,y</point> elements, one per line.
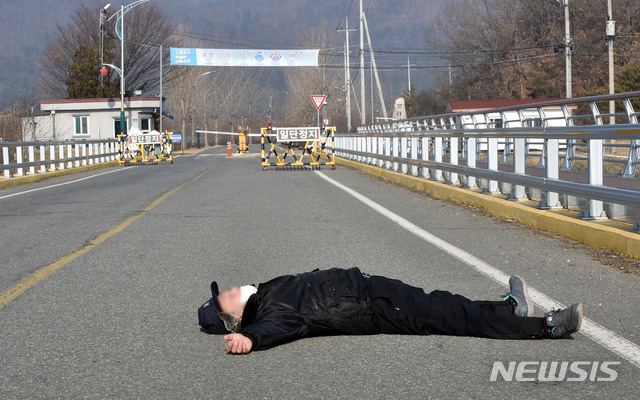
<point>302,82</point>
<point>514,48</point>
<point>146,28</point>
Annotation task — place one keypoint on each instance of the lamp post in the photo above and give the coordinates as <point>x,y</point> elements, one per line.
<point>195,128</point>
<point>103,17</point>
<point>120,32</point>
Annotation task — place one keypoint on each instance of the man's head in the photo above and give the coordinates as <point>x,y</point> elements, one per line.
<point>223,312</point>
<point>231,302</point>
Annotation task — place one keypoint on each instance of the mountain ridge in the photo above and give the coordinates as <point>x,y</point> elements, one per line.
<point>29,24</point>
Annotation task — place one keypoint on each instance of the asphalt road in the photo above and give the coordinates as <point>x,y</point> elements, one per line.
<point>119,321</point>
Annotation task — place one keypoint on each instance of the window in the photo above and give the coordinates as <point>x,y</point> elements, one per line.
<point>82,125</point>
<point>116,127</point>
<point>145,124</point>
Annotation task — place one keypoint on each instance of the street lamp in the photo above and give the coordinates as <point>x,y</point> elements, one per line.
<point>103,17</point>
<point>120,32</point>
<point>195,128</point>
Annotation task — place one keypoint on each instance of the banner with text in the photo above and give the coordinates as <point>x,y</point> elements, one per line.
<point>244,57</point>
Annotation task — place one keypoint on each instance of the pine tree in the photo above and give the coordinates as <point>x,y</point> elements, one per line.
<point>83,81</point>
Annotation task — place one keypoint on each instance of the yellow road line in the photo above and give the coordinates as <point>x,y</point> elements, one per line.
<point>42,273</point>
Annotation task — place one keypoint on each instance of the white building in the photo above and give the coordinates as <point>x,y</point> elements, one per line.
<point>90,118</point>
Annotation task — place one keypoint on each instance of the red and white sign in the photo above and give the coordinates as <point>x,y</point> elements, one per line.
<point>318,100</point>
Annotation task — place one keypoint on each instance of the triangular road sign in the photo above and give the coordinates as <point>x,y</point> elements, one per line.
<point>318,100</point>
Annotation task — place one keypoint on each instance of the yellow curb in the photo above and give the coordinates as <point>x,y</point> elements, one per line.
<point>610,235</point>
<point>20,180</point>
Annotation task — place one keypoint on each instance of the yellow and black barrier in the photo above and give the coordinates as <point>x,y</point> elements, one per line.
<point>141,154</point>
<point>313,141</point>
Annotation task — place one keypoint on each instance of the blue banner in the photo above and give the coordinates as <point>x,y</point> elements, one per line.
<point>244,57</point>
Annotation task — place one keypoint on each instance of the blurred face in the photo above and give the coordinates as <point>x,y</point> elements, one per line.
<point>230,301</point>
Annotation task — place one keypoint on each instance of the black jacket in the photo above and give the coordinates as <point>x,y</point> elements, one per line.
<point>290,307</point>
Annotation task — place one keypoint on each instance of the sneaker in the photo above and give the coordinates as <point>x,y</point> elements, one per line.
<point>562,323</point>
<point>518,297</point>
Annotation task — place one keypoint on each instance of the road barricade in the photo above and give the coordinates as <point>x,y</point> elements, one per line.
<point>140,148</point>
<point>310,144</point>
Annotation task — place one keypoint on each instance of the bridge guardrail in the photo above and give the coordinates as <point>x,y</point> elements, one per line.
<point>496,146</point>
<point>54,155</point>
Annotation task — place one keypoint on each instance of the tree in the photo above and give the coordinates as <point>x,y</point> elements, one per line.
<point>628,80</point>
<point>84,80</point>
<point>302,82</point>
<point>515,48</point>
<point>68,59</point>
<point>424,102</point>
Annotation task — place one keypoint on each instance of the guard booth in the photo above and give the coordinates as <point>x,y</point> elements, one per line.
<point>140,148</point>
<point>298,147</point>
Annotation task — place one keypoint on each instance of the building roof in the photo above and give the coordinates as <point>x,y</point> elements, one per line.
<point>477,105</point>
<point>110,103</point>
<point>100,100</point>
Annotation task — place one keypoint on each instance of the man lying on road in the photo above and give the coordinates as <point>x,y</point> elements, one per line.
<point>348,302</point>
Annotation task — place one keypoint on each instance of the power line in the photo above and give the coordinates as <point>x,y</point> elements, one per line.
<point>429,67</point>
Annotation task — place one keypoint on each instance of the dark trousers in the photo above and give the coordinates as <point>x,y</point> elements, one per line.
<point>404,309</point>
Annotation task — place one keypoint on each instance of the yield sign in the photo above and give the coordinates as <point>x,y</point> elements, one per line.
<point>318,100</point>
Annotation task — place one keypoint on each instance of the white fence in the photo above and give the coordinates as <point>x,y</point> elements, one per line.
<point>467,149</point>
<point>20,158</point>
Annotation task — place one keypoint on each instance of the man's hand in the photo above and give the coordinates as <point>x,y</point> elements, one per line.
<point>238,343</point>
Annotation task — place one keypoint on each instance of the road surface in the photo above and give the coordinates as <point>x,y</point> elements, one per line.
<point>117,261</point>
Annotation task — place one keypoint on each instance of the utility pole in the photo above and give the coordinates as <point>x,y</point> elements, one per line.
<point>363,114</point>
<point>375,70</point>
<point>611,34</point>
<point>347,72</point>
<point>408,65</point>
<point>567,47</point>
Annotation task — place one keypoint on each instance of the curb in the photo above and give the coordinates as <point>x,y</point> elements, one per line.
<point>607,234</point>
<point>20,180</point>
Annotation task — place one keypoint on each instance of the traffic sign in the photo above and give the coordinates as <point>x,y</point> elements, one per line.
<point>318,100</point>
<point>147,138</point>
<point>176,138</point>
<point>297,134</point>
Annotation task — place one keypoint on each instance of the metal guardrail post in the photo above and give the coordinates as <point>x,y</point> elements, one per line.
<point>595,150</point>
<point>403,153</point>
<point>69,155</point>
<point>436,174</point>
<point>519,167</point>
<point>19,160</point>
<point>43,158</point>
<point>492,163</point>
<point>414,155</point>
<point>472,158</point>
<point>5,161</point>
<point>425,155</point>
<point>32,158</point>
<point>395,149</point>
<point>52,157</point>
<point>453,159</point>
<point>596,153</point>
<point>551,199</point>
